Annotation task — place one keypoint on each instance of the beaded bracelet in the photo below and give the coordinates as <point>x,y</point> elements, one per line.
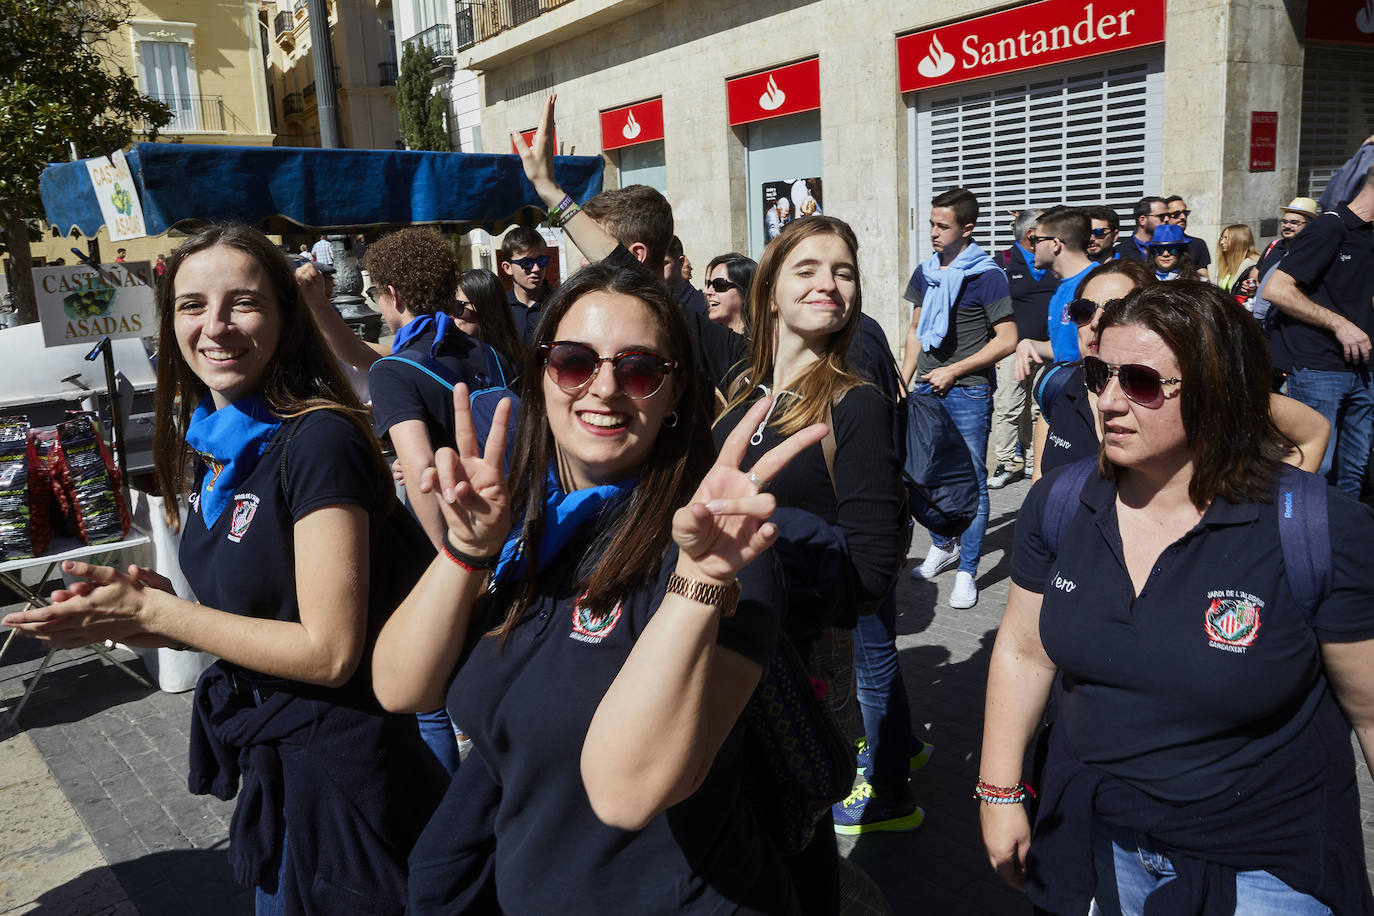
<point>466,560</point>
<point>1002,795</point>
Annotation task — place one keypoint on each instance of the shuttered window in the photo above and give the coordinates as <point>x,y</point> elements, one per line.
<point>1337,111</point>
<point>1069,135</point>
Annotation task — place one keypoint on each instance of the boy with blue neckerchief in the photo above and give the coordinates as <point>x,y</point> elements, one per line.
<point>960,327</point>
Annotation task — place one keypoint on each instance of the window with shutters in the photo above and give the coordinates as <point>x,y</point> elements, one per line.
<point>1337,111</point>
<point>165,54</point>
<point>1069,135</point>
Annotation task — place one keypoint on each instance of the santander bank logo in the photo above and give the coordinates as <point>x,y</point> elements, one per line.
<point>937,62</point>
<point>773,97</point>
<point>631,128</point>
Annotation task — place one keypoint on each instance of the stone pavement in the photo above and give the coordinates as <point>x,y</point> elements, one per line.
<point>95,817</point>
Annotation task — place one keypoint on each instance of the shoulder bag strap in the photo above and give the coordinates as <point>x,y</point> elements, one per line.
<point>1062,501</point>
<point>1304,536</point>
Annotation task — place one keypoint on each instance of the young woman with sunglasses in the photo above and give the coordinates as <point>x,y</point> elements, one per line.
<point>481,312</point>
<point>729,278</point>
<point>1201,761</point>
<point>598,620</point>
<point>805,310</point>
<point>297,550</point>
<point>1069,427</point>
<point>1167,254</point>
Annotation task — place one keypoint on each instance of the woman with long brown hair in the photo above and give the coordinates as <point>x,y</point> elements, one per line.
<point>598,620</point>
<point>292,522</point>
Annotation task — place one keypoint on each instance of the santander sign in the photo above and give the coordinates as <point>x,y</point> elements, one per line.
<point>1033,35</point>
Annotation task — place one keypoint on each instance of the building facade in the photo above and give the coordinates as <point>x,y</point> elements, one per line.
<point>747,114</point>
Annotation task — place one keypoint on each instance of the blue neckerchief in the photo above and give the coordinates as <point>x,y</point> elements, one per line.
<point>942,288</point>
<point>565,514</point>
<point>1166,274</point>
<point>1036,272</point>
<point>417,326</point>
<point>230,441</point>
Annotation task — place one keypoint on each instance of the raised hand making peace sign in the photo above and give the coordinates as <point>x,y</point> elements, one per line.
<point>471,480</point>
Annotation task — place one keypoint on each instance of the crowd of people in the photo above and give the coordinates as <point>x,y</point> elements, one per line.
<point>525,688</point>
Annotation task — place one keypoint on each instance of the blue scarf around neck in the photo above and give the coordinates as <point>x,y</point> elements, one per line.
<point>565,514</point>
<point>942,288</point>
<point>417,326</point>
<point>229,441</point>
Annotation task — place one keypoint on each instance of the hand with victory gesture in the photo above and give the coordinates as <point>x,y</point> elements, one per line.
<point>470,482</point>
<point>725,526</point>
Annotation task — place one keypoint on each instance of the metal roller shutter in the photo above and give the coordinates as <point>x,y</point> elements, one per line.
<point>1058,135</point>
<point>1337,111</point>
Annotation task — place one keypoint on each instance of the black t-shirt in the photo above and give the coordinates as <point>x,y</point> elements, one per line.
<point>527,706</point>
<point>1072,429</point>
<point>1184,688</point>
<point>401,392</point>
<point>1197,250</point>
<point>1332,261</point>
<point>867,499</point>
<point>1030,298</point>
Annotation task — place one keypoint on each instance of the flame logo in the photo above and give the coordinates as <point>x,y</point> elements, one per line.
<point>1364,19</point>
<point>773,98</point>
<point>937,62</point>
<point>631,128</point>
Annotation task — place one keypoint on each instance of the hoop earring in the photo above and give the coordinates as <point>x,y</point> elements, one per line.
<point>670,421</point>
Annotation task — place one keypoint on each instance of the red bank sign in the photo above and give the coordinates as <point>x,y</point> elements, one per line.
<point>774,93</point>
<point>528,137</point>
<point>1343,21</point>
<point>632,124</point>
<point>1264,140</point>
<point>1048,32</point>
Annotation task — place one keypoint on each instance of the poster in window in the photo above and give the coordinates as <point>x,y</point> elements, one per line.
<point>784,201</point>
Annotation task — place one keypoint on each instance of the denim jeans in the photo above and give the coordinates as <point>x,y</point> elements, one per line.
<point>273,904</point>
<point>436,728</point>
<point>883,700</point>
<point>971,410</point>
<point>1346,399</point>
<point>1136,868</point>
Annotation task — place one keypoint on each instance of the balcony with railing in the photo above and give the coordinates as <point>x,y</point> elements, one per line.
<point>530,30</point>
<point>438,39</point>
<point>386,73</point>
<point>198,113</point>
<point>292,103</point>
<point>283,22</point>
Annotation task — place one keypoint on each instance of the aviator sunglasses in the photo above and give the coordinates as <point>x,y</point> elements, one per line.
<point>572,366</point>
<point>528,264</point>
<point>722,285</point>
<point>1139,383</point>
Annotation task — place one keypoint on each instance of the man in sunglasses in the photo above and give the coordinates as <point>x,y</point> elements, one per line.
<point>1061,243</point>
<point>523,256</point>
<point>1324,291</point>
<point>1106,227</point>
<point>1149,212</point>
<point>1176,213</point>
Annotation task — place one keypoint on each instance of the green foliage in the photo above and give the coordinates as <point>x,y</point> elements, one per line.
<point>420,108</point>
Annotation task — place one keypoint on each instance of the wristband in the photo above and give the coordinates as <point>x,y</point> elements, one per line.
<point>467,560</point>
<point>1002,795</point>
<point>560,215</point>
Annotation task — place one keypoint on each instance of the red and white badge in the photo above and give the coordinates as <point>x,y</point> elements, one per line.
<point>631,125</point>
<point>773,93</point>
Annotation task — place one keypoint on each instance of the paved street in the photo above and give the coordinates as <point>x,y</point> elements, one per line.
<point>95,817</point>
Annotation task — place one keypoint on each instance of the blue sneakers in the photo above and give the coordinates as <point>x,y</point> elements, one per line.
<point>861,813</point>
<point>864,758</point>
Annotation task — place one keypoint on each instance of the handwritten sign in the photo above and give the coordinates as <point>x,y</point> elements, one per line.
<point>80,304</point>
<point>114,189</point>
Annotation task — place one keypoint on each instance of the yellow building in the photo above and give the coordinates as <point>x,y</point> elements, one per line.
<point>364,65</point>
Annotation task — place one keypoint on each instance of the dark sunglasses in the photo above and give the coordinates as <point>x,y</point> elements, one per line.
<point>466,311</point>
<point>572,366</point>
<point>722,285</point>
<point>1139,383</point>
<point>1175,250</point>
<point>1178,214</point>
<point>1100,233</point>
<point>1081,311</point>
<point>1037,239</point>
<point>528,264</point>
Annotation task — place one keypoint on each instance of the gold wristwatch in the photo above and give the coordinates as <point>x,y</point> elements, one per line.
<point>722,597</point>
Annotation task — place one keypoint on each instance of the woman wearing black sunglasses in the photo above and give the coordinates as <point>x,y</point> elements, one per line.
<point>480,311</point>
<point>1069,427</point>
<point>1201,761</point>
<point>598,621</point>
<point>729,277</point>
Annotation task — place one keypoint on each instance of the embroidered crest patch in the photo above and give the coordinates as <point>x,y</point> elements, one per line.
<point>245,507</point>
<point>1232,621</point>
<point>590,627</point>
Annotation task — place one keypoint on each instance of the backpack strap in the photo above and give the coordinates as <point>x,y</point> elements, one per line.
<point>290,427</point>
<point>1050,385</point>
<point>494,371</point>
<point>434,370</point>
<point>1062,502</point>
<point>1304,536</point>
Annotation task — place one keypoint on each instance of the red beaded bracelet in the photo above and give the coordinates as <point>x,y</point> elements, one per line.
<point>1002,795</point>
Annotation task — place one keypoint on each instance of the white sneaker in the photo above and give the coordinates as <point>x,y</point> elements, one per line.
<point>937,561</point>
<point>965,592</point>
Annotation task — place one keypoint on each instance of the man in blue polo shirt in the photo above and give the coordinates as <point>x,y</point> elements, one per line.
<point>1323,290</point>
<point>1149,213</point>
<point>1061,242</point>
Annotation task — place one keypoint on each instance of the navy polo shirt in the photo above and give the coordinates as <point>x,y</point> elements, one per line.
<point>401,392</point>
<point>1197,250</point>
<point>526,317</point>
<point>1030,298</point>
<point>527,705</point>
<point>1073,429</point>
<point>1332,261</point>
<point>1128,248</point>
<point>1182,689</point>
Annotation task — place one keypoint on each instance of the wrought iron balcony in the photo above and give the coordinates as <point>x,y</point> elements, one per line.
<point>193,113</point>
<point>386,73</point>
<point>283,22</point>
<point>437,38</point>
<point>479,20</point>
<point>292,103</point>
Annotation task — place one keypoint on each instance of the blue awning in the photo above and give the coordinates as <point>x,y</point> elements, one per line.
<point>316,188</point>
